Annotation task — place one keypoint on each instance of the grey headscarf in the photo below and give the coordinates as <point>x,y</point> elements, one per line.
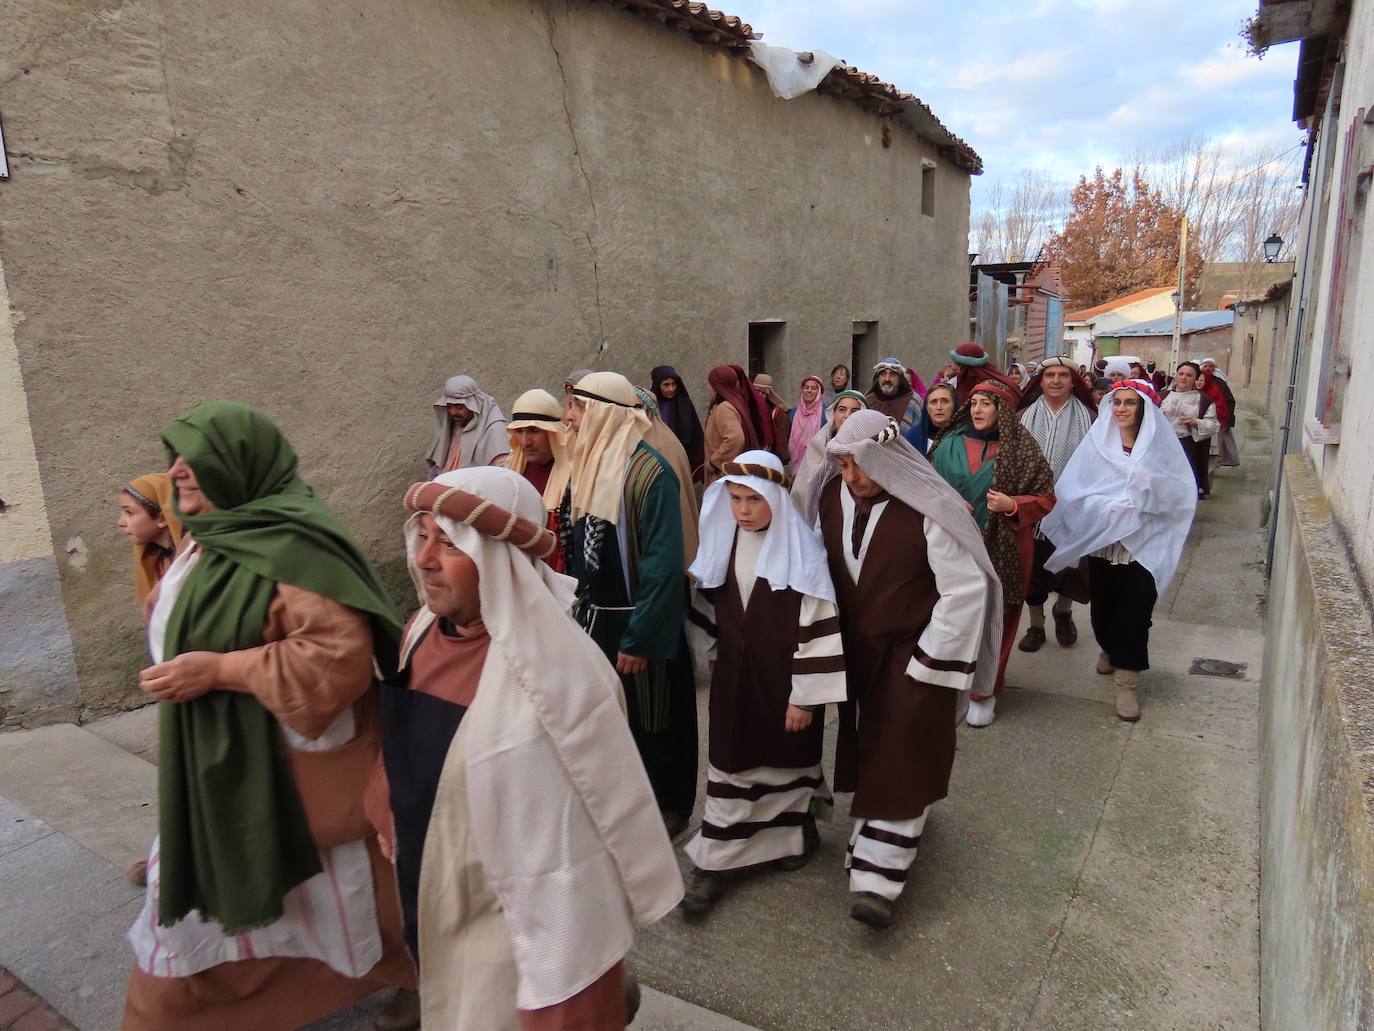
<point>484,438</point>
<point>875,442</point>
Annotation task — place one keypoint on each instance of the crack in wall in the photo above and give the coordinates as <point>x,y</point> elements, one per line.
<point>586,179</point>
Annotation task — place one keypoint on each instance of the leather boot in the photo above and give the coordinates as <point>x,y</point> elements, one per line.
<point>1127,704</point>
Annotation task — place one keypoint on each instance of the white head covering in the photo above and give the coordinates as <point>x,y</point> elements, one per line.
<point>585,855</point>
<point>484,437</point>
<point>612,427</point>
<point>1117,363</point>
<point>792,554</point>
<point>1216,370</point>
<point>539,410</point>
<point>1144,499</point>
<point>875,442</point>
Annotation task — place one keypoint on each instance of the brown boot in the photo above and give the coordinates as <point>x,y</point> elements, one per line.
<point>1127,704</point>
<point>1104,664</point>
<point>402,1013</point>
<point>138,874</point>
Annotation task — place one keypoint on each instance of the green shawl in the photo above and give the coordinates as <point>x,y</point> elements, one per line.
<point>951,462</point>
<point>233,832</point>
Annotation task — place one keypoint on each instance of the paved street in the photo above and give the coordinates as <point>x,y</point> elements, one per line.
<point>1084,873</point>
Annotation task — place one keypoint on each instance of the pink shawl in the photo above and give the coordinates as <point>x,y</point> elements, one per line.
<point>806,420</point>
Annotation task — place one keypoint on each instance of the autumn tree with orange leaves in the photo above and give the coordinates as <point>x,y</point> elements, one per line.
<point>1120,236</point>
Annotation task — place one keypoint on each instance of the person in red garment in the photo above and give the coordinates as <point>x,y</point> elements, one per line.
<point>998,468</point>
<point>541,451</point>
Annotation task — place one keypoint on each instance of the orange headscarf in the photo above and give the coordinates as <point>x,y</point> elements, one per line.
<point>154,493</point>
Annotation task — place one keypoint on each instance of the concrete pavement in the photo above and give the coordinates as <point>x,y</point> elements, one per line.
<point>1084,873</point>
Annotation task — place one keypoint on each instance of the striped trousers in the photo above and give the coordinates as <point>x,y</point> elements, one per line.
<point>881,852</point>
<point>755,816</point>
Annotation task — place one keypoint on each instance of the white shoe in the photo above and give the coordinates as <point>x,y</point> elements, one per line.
<point>980,713</point>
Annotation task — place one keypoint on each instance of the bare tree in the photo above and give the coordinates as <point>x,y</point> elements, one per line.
<point>1019,218</point>
<point>1268,199</point>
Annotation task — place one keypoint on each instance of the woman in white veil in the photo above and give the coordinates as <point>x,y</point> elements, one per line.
<point>1126,502</point>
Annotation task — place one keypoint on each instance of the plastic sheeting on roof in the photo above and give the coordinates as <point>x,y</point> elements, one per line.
<point>788,75</point>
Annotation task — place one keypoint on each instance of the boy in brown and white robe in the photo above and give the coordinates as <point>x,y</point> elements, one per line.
<point>765,613</point>
<point>920,615</point>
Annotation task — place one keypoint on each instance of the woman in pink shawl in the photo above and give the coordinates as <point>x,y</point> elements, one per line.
<point>805,418</point>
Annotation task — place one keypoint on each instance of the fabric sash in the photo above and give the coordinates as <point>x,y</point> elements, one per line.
<point>951,462</point>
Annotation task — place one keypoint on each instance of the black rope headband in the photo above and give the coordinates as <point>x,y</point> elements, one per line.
<point>579,392</point>
<point>533,417</point>
<point>763,472</point>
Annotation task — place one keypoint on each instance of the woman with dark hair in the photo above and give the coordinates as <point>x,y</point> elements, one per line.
<point>999,470</point>
<point>678,413</point>
<point>1194,417</point>
<point>1126,502</point>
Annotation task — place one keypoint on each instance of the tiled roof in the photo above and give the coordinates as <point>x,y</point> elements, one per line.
<point>715,28</point>
<point>1119,302</point>
<point>1193,322</point>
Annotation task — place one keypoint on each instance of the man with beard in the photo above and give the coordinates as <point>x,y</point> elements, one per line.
<point>470,429</point>
<point>541,452</point>
<point>892,395</point>
<point>631,581</point>
<point>1058,410</point>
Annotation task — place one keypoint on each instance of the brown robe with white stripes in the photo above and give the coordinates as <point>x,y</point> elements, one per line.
<point>895,748</point>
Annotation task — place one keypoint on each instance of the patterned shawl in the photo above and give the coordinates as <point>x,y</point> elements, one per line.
<point>1058,435</point>
<point>1019,469</point>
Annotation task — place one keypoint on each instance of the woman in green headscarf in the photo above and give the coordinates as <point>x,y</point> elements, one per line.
<point>998,468</point>
<point>269,903</point>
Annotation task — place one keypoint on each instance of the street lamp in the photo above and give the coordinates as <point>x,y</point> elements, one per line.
<point>1241,307</point>
<point>1272,246</point>
<point>1174,297</point>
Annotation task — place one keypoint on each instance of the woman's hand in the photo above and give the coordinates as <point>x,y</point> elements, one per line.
<point>796,719</point>
<point>183,678</point>
<point>629,664</point>
<point>999,502</point>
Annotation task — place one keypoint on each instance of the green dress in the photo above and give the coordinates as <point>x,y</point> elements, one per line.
<point>632,598</point>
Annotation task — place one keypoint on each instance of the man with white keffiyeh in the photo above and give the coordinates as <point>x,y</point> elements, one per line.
<point>1058,411</point>
<point>920,609</point>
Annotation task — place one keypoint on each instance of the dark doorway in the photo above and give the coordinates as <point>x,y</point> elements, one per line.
<point>765,347</point>
<point>863,353</point>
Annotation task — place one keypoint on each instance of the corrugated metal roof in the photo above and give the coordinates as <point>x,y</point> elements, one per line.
<point>715,28</point>
<point>1193,322</point>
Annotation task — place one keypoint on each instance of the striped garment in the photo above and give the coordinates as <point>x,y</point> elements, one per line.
<point>1057,433</point>
<point>757,815</point>
<point>881,853</point>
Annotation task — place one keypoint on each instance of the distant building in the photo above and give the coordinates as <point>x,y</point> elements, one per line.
<point>1204,334</point>
<point>1260,328</point>
<point>1222,283</point>
<point>1027,322</point>
<point>1082,327</point>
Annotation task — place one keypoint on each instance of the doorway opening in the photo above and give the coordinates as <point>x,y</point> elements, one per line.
<point>863,353</point>
<point>765,347</point>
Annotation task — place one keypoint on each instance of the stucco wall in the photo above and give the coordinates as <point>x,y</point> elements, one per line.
<point>37,667</point>
<point>326,209</point>
<point>1317,788</point>
<point>1265,323</point>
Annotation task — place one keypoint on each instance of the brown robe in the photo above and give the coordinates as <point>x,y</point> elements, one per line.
<point>896,739</point>
<point>724,439</point>
<point>751,685</point>
<point>316,662</point>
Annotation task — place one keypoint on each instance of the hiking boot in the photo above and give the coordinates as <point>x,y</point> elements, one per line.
<point>811,840</point>
<point>1033,639</point>
<point>402,1013</point>
<point>1064,630</point>
<point>871,909</point>
<point>704,887</point>
<point>1127,703</point>
<point>1104,664</point>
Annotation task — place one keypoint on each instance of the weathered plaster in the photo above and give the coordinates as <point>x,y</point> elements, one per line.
<point>37,670</point>
<point>1317,808</point>
<point>327,209</point>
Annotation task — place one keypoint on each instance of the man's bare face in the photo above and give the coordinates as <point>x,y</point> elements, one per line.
<point>576,410</point>
<point>449,575</point>
<point>1057,383</point>
<point>856,479</point>
<point>460,414</point>
<point>534,445</point>
<point>888,382</point>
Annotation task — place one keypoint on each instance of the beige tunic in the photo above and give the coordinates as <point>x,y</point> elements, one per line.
<point>724,439</point>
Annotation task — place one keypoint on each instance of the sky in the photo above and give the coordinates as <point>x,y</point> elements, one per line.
<point>1057,85</point>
